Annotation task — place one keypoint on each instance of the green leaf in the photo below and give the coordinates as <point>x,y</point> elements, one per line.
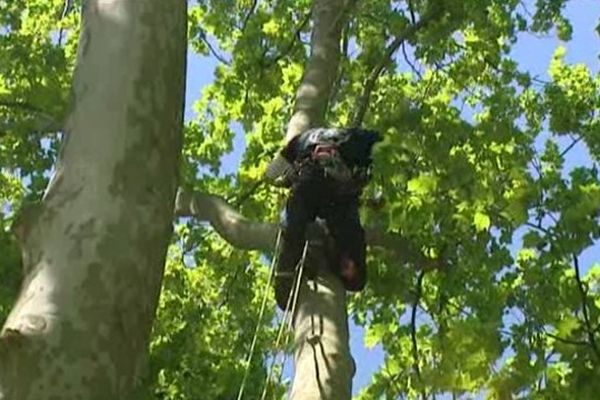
<point>481,221</point>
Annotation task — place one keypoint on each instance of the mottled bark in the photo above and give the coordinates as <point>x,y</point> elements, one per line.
<point>94,248</point>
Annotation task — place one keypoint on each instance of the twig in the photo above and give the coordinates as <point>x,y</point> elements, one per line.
<point>246,195</point>
<point>213,50</point>
<point>250,13</point>
<point>567,341</point>
<point>371,80</point>
<point>570,146</point>
<point>226,293</point>
<point>66,10</point>
<point>296,37</point>
<point>22,105</point>
<point>540,228</point>
<point>411,11</point>
<point>522,4</point>
<point>584,306</point>
<point>340,76</point>
<point>46,123</point>
<point>410,63</point>
<point>413,330</point>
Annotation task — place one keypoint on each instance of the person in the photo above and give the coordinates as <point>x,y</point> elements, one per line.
<point>326,170</point>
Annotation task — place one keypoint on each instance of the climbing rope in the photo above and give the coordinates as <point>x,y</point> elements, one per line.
<point>260,317</point>
<point>288,318</point>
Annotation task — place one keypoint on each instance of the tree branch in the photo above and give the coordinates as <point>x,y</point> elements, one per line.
<point>413,330</point>
<point>212,50</point>
<point>567,341</point>
<point>244,234</point>
<point>250,13</point>
<point>296,37</point>
<point>585,308</point>
<point>43,122</point>
<point>410,63</point>
<point>320,73</point>
<point>570,146</point>
<point>68,6</point>
<point>231,225</point>
<point>371,80</point>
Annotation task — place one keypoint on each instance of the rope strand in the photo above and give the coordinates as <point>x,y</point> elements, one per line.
<point>260,317</point>
<point>288,317</point>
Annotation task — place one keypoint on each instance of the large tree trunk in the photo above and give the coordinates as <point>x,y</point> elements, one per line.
<point>312,97</point>
<point>94,248</point>
<point>323,364</point>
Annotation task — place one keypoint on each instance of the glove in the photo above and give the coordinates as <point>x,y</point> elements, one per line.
<point>279,171</point>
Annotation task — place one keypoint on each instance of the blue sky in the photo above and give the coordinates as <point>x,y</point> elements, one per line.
<point>533,53</point>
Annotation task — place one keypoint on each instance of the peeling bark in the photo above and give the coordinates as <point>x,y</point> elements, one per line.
<point>94,248</point>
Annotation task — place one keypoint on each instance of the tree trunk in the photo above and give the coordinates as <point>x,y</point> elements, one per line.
<point>94,248</point>
<point>329,17</point>
<point>323,365</point>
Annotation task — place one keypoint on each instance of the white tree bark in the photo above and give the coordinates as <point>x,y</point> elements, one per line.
<point>94,248</point>
<point>323,363</point>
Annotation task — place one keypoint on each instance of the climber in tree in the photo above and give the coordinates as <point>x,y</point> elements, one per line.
<point>326,169</point>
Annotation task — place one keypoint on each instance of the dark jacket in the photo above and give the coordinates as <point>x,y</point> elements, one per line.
<point>341,155</point>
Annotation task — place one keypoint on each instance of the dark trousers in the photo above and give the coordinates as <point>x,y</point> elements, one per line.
<point>317,196</point>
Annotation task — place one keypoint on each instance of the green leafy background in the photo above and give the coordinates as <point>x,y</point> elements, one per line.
<point>489,168</point>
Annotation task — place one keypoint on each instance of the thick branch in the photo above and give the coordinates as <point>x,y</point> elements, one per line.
<point>242,233</point>
<point>231,225</point>
<point>369,85</point>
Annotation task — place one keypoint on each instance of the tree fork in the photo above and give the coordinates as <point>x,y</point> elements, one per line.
<point>323,361</point>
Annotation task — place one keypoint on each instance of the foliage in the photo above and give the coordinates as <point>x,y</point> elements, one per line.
<point>476,171</point>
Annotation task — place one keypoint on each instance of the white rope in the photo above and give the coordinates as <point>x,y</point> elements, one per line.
<point>288,317</point>
<point>260,317</point>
